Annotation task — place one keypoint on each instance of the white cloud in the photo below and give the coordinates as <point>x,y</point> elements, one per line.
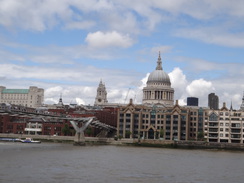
<point>79,101</point>
<point>109,39</point>
<point>213,35</point>
<point>177,78</point>
<point>144,81</point>
<point>80,25</point>
<point>199,88</point>
<point>129,18</point>
<point>179,83</point>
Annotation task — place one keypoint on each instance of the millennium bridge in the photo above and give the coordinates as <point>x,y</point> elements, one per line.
<point>80,124</point>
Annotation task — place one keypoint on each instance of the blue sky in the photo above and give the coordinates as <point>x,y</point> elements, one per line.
<point>68,46</point>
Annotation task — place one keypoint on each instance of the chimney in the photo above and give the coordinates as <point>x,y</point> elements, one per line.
<point>224,104</point>
<point>176,102</point>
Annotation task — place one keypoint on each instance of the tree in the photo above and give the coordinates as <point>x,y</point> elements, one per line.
<point>161,133</point>
<point>127,134</point>
<point>66,130</point>
<point>88,131</point>
<point>200,135</point>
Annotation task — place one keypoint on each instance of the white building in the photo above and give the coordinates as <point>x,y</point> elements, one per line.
<point>32,97</point>
<point>224,125</point>
<point>158,89</point>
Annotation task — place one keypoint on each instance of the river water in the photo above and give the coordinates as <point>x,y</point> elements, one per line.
<point>54,162</point>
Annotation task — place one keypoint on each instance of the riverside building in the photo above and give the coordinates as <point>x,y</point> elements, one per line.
<point>159,118</point>
<point>157,122</point>
<point>32,97</point>
<point>224,125</point>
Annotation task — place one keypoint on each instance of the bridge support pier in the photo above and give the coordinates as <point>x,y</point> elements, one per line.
<point>79,135</point>
<point>79,139</point>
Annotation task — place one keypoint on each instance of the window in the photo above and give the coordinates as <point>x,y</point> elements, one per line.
<point>221,135</point>
<point>213,117</point>
<point>127,115</point>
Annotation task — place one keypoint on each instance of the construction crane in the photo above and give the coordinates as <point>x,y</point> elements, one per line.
<point>127,95</point>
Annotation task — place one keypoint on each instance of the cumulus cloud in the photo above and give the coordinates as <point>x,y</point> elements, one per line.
<point>177,78</point>
<point>79,101</point>
<point>199,88</point>
<point>108,39</point>
<point>179,83</point>
<point>70,94</point>
<point>144,81</point>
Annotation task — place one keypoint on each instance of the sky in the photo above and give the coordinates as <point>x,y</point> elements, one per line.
<point>67,47</point>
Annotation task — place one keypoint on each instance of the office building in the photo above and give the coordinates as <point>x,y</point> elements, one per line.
<point>32,97</point>
<point>192,101</point>
<point>213,101</point>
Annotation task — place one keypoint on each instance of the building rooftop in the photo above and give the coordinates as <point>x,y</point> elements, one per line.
<point>19,91</point>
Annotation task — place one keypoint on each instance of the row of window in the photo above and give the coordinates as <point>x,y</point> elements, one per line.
<point>15,97</point>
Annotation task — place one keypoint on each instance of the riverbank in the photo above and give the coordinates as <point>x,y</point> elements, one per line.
<point>132,142</point>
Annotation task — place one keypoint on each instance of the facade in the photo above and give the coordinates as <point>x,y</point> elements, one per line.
<point>101,98</point>
<point>32,97</point>
<point>224,125</point>
<point>213,101</point>
<point>158,89</point>
<point>49,126</point>
<point>170,123</point>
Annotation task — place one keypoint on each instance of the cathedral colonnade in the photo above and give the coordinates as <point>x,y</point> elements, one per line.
<point>158,95</point>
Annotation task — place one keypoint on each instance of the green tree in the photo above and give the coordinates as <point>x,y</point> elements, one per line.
<point>88,131</point>
<point>161,133</point>
<point>127,134</point>
<point>200,135</point>
<point>66,130</point>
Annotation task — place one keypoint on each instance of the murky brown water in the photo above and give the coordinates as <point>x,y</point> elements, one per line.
<point>50,162</point>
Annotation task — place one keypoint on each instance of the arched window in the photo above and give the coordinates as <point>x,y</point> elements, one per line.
<point>213,117</point>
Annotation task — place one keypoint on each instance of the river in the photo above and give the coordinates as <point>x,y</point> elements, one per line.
<point>56,162</point>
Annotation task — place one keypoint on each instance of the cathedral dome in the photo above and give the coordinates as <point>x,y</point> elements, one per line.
<point>158,75</point>
<point>158,89</point>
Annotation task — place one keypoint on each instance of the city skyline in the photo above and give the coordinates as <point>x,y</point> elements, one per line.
<point>69,46</point>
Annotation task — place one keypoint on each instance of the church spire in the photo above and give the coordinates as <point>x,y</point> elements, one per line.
<point>159,63</point>
<point>231,108</point>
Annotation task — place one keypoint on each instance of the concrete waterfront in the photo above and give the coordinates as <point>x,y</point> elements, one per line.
<point>133,142</point>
